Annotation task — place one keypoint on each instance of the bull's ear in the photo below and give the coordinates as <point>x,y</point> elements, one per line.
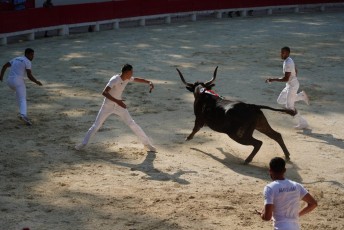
<point>191,89</point>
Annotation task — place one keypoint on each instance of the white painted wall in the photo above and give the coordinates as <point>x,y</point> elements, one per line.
<point>39,3</point>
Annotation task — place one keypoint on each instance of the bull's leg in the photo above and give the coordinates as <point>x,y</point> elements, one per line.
<point>198,125</point>
<point>264,127</point>
<point>248,140</point>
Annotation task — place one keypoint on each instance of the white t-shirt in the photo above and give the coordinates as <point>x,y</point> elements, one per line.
<point>19,65</point>
<point>285,195</point>
<point>289,66</point>
<point>117,86</point>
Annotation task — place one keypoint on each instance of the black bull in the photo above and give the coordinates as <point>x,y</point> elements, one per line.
<point>237,119</point>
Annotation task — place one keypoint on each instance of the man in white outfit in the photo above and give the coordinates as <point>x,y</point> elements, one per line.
<point>113,104</point>
<point>289,94</point>
<point>20,67</point>
<point>282,199</point>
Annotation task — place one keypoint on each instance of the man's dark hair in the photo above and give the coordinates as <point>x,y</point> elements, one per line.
<point>127,67</point>
<point>29,51</point>
<point>277,165</point>
<point>286,48</point>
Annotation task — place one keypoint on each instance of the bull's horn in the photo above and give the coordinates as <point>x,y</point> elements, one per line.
<point>213,79</point>
<point>182,78</point>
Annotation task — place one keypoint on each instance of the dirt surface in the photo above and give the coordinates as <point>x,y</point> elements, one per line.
<point>200,184</point>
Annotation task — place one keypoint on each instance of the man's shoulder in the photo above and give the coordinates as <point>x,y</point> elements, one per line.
<point>289,60</point>
<point>279,183</point>
<point>21,59</point>
<point>115,79</point>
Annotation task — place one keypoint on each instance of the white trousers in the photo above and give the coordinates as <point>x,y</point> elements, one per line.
<point>287,225</point>
<point>18,85</point>
<point>105,111</point>
<point>289,96</point>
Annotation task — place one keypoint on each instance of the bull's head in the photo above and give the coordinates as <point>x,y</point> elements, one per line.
<point>197,85</point>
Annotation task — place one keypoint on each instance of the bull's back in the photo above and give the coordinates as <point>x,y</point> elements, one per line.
<point>231,116</point>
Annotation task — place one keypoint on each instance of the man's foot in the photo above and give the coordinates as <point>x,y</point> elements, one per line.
<point>25,119</point>
<point>150,148</point>
<point>306,97</point>
<point>301,126</point>
<point>80,147</point>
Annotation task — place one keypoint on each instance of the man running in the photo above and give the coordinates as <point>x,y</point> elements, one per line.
<point>289,94</point>
<point>113,104</point>
<point>20,67</point>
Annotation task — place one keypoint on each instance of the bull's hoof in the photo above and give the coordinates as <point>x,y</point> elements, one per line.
<point>247,161</point>
<point>287,158</point>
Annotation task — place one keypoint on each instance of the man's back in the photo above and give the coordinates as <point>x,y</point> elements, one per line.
<point>18,67</point>
<point>285,195</point>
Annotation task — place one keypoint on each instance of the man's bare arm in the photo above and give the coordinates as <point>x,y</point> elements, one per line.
<point>142,80</point>
<point>267,212</point>
<point>3,70</point>
<point>311,204</point>
<point>32,78</point>
<point>108,96</point>
<point>282,79</point>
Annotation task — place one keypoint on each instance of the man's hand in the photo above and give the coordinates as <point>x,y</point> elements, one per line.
<point>39,83</point>
<point>268,80</point>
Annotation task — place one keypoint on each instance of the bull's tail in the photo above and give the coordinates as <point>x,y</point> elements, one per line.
<point>288,111</point>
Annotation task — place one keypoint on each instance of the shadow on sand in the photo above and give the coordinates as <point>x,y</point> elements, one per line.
<point>147,167</point>
<point>326,138</point>
<point>237,165</point>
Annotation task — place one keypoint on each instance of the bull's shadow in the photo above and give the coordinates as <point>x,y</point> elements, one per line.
<point>147,167</point>
<point>237,165</point>
<point>326,138</point>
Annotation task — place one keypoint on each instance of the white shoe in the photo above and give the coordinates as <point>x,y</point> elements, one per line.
<point>301,126</point>
<point>25,119</point>
<point>150,148</point>
<point>80,147</point>
<point>306,97</point>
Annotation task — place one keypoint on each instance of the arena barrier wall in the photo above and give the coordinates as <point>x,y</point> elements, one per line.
<point>63,18</point>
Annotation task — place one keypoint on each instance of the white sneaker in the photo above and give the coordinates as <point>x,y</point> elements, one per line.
<point>25,119</point>
<point>301,126</point>
<point>150,148</point>
<point>306,97</point>
<point>80,147</point>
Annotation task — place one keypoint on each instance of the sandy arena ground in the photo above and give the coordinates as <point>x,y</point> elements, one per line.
<point>201,184</point>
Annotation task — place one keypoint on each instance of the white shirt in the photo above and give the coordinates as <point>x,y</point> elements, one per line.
<point>285,195</point>
<point>117,86</point>
<point>19,65</point>
<point>289,66</point>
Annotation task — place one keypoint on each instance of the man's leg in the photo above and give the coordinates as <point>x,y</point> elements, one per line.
<point>127,119</point>
<point>18,86</point>
<point>291,98</point>
<point>103,114</point>
<point>282,98</point>
<point>302,96</point>
<point>21,99</point>
<point>302,122</point>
